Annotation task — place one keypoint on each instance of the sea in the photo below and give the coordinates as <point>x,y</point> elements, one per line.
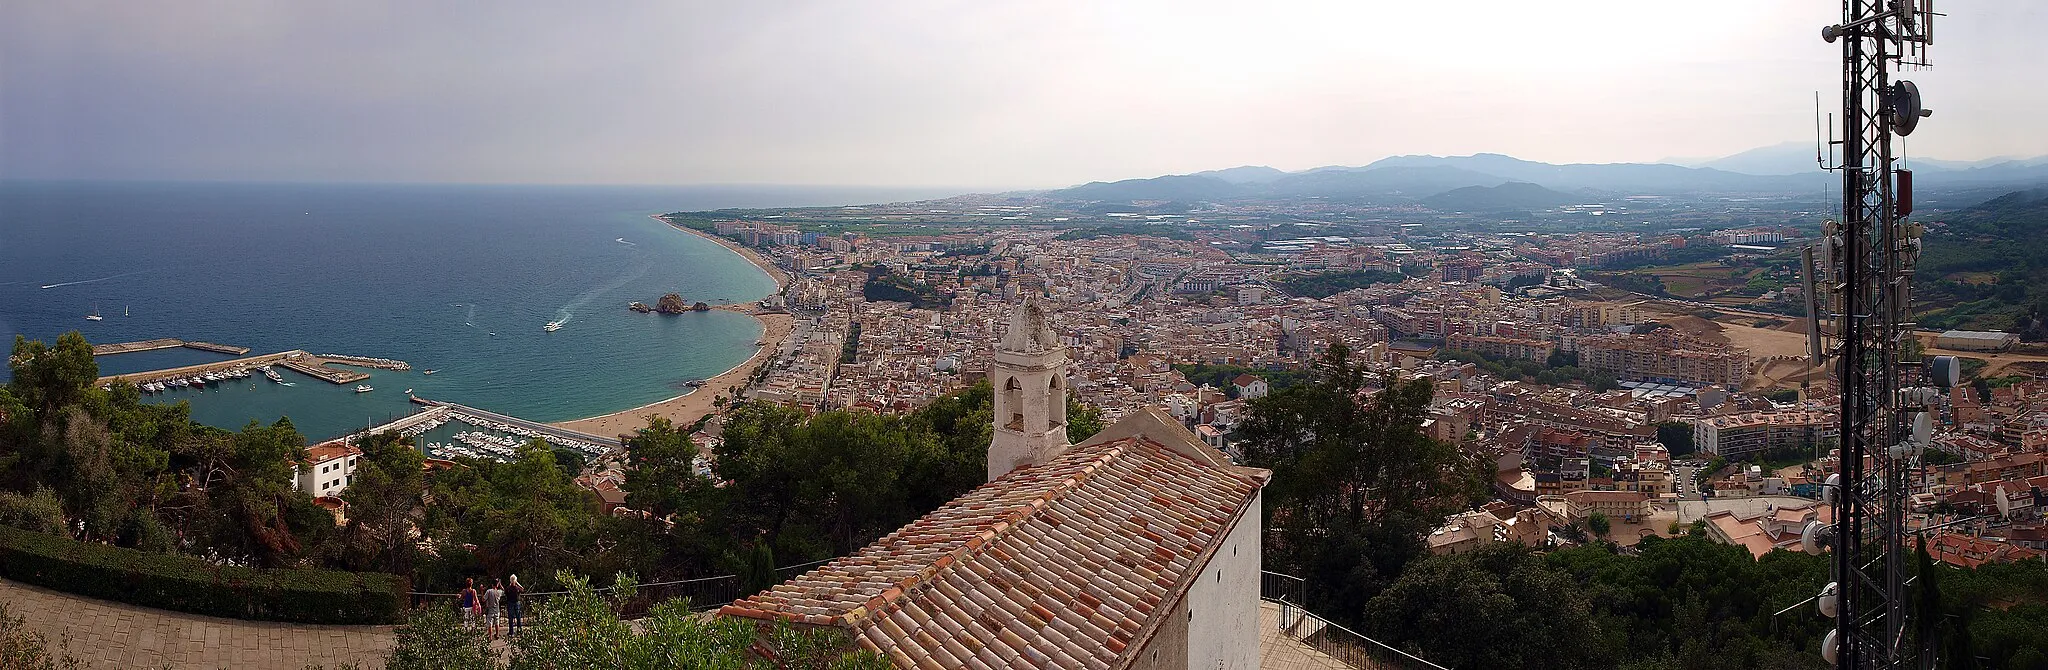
<point>458,279</point>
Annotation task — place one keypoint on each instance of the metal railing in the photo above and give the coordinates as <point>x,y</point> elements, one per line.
<point>704,593</point>
<point>1337,642</point>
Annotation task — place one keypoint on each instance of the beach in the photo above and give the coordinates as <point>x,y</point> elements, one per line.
<point>781,278</point>
<point>687,409</point>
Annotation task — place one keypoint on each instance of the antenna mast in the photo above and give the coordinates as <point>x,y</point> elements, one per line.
<point>1863,323</point>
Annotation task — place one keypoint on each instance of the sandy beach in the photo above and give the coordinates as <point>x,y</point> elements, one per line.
<point>781,278</point>
<point>686,409</point>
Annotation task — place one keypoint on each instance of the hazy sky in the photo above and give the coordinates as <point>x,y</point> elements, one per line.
<point>973,93</point>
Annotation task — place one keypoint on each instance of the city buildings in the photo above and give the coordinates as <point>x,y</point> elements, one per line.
<point>1738,436</point>
<point>1664,355</point>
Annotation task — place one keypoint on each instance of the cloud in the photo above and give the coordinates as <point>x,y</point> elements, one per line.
<point>981,94</point>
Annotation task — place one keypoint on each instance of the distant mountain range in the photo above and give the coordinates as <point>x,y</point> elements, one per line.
<point>1778,169</point>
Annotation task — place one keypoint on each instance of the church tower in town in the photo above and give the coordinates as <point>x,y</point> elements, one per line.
<point>1030,381</point>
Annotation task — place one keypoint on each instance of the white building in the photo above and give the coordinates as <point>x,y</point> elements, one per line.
<point>1973,340</point>
<point>328,469</point>
<point>1250,387</point>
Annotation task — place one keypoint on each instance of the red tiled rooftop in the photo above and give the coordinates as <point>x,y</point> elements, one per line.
<point>1057,565</point>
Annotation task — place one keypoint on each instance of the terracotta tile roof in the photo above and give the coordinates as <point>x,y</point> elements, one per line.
<point>1060,565</point>
<point>327,451</point>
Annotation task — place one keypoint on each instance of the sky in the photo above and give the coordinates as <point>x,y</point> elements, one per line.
<point>969,93</point>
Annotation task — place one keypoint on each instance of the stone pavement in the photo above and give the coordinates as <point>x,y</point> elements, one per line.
<point>1280,651</point>
<point>113,635</point>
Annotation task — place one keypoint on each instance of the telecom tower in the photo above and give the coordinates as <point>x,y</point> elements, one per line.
<point>1863,324</point>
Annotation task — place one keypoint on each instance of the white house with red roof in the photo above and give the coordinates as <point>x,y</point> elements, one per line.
<point>328,469</point>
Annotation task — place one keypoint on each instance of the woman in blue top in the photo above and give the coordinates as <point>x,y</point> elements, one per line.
<point>468,603</point>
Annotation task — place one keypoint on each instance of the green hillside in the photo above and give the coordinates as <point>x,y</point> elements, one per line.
<point>1986,267</point>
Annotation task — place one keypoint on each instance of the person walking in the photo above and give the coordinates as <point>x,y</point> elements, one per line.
<point>492,598</point>
<point>512,614</point>
<point>468,603</point>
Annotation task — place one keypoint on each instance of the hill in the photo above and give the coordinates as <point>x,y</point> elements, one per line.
<point>1170,187</point>
<point>1514,195</point>
<point>1248,174</point>
<point>1986,266</point>
<point>1615,177</point>
<point>1774,170</point>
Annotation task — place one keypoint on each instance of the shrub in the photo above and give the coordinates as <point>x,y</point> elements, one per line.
<point>187,584</point>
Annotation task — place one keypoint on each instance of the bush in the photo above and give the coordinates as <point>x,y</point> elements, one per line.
<point>187,584</point>
<point>40,511</point>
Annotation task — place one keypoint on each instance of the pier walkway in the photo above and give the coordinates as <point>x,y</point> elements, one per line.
<point>165,343</point>
<point>318,367</point>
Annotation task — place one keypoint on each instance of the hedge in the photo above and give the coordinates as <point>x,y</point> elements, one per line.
<point>187,584</point>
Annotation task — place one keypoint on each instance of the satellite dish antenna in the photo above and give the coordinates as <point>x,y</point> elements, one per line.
<point>1816,537</point>
<point>1830,647</point>
<point>1906,108</point>
<point>1829,601</point>
<point>1831,489</point>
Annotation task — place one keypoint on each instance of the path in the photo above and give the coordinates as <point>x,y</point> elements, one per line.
<point>112,635</point>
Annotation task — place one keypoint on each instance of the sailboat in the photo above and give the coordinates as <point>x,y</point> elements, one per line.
<point>124,311</point>
<point>95,315</point>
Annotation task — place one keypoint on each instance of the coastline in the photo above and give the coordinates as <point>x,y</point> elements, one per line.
<point>774,273</point>
<point>688,408</point>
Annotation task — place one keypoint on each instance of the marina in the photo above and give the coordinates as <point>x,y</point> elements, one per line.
<point>488,435</point>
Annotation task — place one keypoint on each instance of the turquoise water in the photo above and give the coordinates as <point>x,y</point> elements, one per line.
<point>458,279</point>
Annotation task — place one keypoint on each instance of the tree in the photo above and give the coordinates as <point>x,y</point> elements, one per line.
<point>1083,421</point>
<point>1355,480</point>
<point>661,469</point>
<point>1497,607</point>
<point>1598,523</point>
<point>1676,436</point>
<point>387,488</point>
<point>50,377</point>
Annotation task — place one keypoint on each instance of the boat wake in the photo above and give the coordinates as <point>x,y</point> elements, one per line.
<point>93,281</point>
<point>624,242</point>
<point>469,318</point>
<point>568,311</point>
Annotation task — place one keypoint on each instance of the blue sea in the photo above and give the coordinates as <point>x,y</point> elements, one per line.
<point>454,278</point>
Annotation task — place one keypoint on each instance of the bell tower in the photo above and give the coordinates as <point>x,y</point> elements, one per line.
<point>1030,380</point>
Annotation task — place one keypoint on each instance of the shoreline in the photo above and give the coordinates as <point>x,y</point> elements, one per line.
<point>694,405</point>
<point>774,273</point>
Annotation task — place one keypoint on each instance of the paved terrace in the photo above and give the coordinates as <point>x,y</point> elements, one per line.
<point>108,635</point>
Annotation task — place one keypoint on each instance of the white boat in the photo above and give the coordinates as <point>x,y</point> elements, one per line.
<point>95,315</point>
<point>364,388</point>
<point>552,326</point>
<point>428,372</point>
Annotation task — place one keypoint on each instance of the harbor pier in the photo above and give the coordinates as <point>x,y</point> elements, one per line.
<point>165,343</point>
<point>318,367</point>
